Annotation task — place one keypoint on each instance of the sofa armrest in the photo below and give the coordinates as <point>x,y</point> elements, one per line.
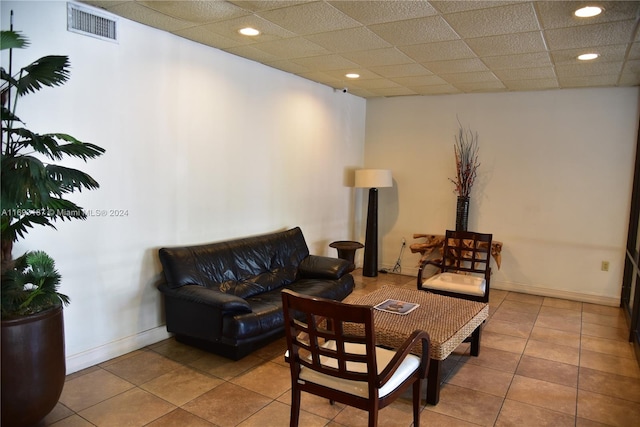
<point>226,303</point>
<point>322,267</point>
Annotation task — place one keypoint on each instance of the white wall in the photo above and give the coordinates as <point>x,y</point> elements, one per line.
<point>201,146</point>
<point>554,184</point>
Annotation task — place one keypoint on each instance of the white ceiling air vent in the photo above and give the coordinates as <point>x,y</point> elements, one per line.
<point>91,22</point>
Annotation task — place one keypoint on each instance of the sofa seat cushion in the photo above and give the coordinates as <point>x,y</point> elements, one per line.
<point>266,315</point>
<point>266,308</point>
<point>319,288</point>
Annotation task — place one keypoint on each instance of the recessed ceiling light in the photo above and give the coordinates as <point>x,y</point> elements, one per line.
<point>588,56</point>
<point>249,31</point>
<point>352,75</point>
<point>588,11</point>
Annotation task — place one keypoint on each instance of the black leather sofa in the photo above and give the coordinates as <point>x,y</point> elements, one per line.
<point>225,297</point>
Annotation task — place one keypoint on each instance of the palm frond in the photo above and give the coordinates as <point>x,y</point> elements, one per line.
<point>19,228</point>
<point>7,116</point>
<point>47,71</point>
<point>76,148</point>
<point>67,180</point>
<point>12,40</point>
<point>43,144</point>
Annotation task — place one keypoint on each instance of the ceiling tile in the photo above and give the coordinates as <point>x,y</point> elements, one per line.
<point>591,68</point>
<point>508,44</point>
<point>196,11</point>
<point>376,12</point>
<point>630,74</point>
<point>560,14</point>
<point>142,14</point>
<point>455,66</point>
<point>537,84</point>
<point>250,52</point>
<point>325,62</point>
<point>476,45</point>
<point>525,74</point>
<point>349,40</point>
<point>607,54</point>
<point>364,75</point>
<point>449,6</point>
<point>476,87</point>
<point>589,35</point>
<point>310,18</point>
<point>395,91</point>
<point>587,81</point>
<point>445,89</point>
<point>268,30</point>
<point>516,18</point>
<point>363,93</point>
<point>378,57</point>
<point>257,5</point>
<point>482,76</point>
<point>288,66</point>
<point>522,60</point>
<point>634,51</point>
<point>632,67</point>
<point>416,81</point>
<point>204,36</point>
<point>441,51</point>
<point>297,47</point>
<point>375,84</point>
<point>414,31</point>
<point>403,70</point>
<point>320,77</point>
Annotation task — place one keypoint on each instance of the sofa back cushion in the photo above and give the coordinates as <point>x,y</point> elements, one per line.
<point>242,267</point>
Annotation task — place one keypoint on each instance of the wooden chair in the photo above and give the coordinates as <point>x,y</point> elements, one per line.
<point>465,271</point>
<point>345,365</point>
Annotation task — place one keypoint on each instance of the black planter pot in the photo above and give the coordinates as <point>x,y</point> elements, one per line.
<point>462,213</point>
<point>33,367</point>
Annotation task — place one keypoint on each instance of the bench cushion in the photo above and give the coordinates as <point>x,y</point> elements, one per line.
<point>459,283</point>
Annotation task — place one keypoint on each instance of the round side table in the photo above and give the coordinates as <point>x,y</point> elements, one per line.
<point>346,249</point>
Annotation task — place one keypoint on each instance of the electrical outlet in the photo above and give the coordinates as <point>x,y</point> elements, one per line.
<point>605,266</point>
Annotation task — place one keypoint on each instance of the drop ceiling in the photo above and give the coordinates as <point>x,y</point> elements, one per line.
<point>409,47</point>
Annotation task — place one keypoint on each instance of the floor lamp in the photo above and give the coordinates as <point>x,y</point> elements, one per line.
<point>372,179</point>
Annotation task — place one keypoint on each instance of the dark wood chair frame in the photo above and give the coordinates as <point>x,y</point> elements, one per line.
<point>464,252</point>
<point>306,319</point>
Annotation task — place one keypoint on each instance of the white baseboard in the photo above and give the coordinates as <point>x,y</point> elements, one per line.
<point>86,359</point>
<point>541,291</point>
<point>556,293</point>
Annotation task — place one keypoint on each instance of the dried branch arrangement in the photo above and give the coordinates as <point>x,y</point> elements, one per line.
<point>466,151</point>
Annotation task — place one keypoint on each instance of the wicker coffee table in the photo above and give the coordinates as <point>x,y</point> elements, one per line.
<point>449,321</point>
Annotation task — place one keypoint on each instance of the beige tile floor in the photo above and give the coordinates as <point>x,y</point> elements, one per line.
<point>543,362</point>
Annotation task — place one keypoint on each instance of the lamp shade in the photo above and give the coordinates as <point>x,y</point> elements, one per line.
<point>373,178</point>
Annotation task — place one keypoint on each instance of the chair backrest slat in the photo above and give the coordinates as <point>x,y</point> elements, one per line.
<point>467,251</point>
<point>324,321</point>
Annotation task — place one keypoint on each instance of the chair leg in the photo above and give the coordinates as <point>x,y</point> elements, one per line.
<point>417,385</point>
<point>373,418</point>
<point>295,407</point>
<point>475,341</point>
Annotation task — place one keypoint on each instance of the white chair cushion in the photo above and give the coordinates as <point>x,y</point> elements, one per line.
<point>458,283</point>
<point>360,388</point>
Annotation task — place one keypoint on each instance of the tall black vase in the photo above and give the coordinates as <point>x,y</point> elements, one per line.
<point>462,213</point>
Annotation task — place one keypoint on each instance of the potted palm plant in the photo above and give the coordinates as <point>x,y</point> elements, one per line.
<point>33,192</point>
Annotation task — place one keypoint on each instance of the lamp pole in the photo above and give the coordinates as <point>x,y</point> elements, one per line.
<point>372,179</point>
<point>370,263</point>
